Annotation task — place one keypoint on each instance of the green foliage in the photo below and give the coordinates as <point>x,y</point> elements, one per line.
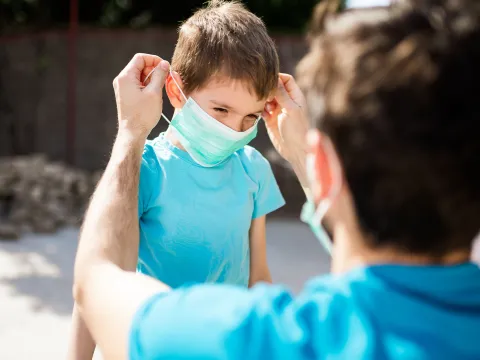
<point>285,15</point>
<point>17,11</point>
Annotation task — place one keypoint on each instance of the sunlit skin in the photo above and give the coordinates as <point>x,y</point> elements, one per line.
<point>230,102</point>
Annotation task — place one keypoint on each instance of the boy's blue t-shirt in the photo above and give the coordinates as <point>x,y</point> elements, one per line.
<point>195,221</point>
<point>379,312</point>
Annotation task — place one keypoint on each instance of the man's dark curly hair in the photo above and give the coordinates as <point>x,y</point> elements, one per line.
<point>398,92</point>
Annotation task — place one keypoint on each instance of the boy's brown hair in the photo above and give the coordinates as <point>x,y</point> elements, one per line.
<point>224,38</point>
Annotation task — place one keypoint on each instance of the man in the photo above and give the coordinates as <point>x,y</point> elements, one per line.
<point>392,175</point>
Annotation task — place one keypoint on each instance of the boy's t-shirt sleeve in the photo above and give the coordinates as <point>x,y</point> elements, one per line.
<point>148,178</point>
<point>222,322</point>
<point>268,198</point>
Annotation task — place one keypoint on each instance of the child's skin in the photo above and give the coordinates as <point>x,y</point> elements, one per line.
<point>235,105</point>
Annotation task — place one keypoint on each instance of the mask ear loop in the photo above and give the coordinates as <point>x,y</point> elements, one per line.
<point>175,81</point>
<point>325,205</point>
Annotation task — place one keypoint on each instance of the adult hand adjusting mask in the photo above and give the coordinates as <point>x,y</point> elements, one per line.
<point>208,141</point>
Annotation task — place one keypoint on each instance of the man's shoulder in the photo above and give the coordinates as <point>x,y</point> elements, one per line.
<point>268,311</point>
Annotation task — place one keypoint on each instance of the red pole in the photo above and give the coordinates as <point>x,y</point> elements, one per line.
<point>72,82</point>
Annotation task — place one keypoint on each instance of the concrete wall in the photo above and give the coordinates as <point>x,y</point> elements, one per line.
<point>33,91</point>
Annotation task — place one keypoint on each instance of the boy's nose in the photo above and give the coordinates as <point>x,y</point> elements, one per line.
<point>234,124</point>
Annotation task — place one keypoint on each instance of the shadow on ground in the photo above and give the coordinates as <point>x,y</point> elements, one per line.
<point>40,267</point>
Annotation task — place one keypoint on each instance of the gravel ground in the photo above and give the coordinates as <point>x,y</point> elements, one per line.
<point>36,285</point>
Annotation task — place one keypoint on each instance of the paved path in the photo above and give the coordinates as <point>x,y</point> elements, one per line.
<point>36,285</point>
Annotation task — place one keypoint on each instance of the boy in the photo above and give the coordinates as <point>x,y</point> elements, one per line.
<point>203,194</point>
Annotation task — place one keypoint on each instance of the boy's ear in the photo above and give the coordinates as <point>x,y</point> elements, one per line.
<point>173,92</point>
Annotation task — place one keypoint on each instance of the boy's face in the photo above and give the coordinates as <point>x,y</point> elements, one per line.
<point>232,103</point>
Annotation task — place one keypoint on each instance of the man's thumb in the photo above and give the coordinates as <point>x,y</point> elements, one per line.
<point>158,77</point>
<point>282,96</point>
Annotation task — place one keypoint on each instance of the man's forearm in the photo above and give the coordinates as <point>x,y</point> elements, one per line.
<point>110,232</point>
<point>299,166</point>
<point>82,345</point>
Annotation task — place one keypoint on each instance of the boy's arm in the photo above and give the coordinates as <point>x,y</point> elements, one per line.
<point>82,345</point>
<point>259,271</point>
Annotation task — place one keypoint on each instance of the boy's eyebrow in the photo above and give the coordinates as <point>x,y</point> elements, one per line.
<point>230,108</point>
<point>222,105</point>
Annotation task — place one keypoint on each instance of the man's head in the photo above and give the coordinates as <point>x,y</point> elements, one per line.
<point>396,91</point>
<point>226,62</point>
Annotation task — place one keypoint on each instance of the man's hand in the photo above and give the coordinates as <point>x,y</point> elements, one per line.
<point>140,107</point>
<point>287,123</point>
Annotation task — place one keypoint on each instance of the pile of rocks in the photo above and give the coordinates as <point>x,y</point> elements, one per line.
<point>41,196</point>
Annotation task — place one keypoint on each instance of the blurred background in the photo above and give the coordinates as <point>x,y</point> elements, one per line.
<point>57,124</point>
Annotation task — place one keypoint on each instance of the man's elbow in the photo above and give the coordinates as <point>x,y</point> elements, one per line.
<point>78,290</point>
<point>81,277</point>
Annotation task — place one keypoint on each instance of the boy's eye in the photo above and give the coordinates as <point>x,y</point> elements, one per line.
<point>249,121</point>
<point>221,110</point>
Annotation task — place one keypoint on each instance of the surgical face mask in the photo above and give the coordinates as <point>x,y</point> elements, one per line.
<point>208,141</point>
<point>312,215</point>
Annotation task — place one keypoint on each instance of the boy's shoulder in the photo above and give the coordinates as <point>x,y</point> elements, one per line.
<point>157,152</point>
<point>155,147</point>
<point>250,155</point>
<point>150,165</point>
<point>149,155</point>
<point>157,155</point>
<point>254,163</point>
<point>155,158</point>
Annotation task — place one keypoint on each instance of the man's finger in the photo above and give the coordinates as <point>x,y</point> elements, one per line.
<point>139,62</point>
<point>282,96</point>
<point>288,82</point>
<point>145,81</point>
<point>158,77</point>
<point>291,87</point>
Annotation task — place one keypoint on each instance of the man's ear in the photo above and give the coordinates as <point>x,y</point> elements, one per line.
<point>173,92</point>
<point>322,165</point>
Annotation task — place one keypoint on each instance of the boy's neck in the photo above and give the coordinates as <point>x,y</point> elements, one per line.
<point>170,136</point>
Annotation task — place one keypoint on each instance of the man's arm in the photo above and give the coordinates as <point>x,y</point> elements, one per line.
<point>259,270</point>
<point>108,297</point>
<point>82,345</point>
